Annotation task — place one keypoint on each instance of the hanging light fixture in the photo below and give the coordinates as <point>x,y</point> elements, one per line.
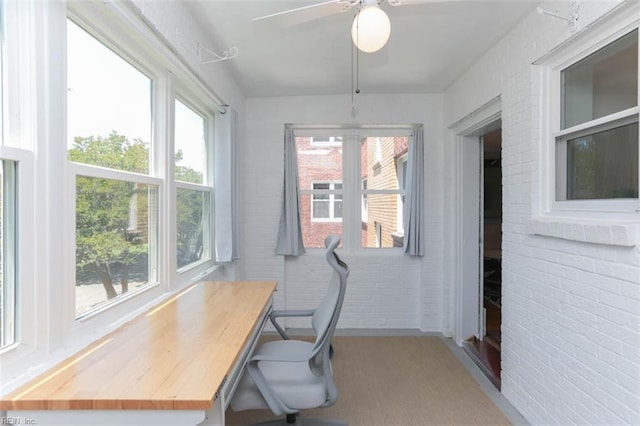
<point>371,28</point>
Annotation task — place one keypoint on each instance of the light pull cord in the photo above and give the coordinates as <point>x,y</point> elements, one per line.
<point>355,70</point>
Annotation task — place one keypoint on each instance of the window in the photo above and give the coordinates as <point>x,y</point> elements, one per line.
<point>327,202</point>
<point>321,191</point>
<point>15,176</point>
<point>8,250</point>
<point>364,207</point>
<point>353,188</point>
<point>401,172</point>
<point>384,192</point>
<point>596,138</point>
<point>116,206</point>
<point>193,195</point>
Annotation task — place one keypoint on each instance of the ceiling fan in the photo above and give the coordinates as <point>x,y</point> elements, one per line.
<point>371,26</point>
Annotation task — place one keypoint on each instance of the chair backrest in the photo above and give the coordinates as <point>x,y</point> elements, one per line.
<point>326,316</point>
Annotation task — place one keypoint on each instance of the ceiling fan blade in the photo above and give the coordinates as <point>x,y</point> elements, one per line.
<point>304,14</point>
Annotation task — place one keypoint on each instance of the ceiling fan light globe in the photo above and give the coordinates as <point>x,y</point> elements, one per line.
<point>371,29</point>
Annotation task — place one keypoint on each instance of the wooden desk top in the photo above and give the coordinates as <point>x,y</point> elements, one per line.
<point>174,356</point>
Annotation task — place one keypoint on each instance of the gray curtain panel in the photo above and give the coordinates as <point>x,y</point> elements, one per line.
<point>414,203</point>
<point>290,233</point>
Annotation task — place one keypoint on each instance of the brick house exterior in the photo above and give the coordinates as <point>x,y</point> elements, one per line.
<point>321,163</point>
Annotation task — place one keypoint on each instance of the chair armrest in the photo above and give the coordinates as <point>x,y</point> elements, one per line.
<point>287,313</point>
<point>293,313</point>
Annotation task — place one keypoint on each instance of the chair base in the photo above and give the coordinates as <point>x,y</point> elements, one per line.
<point>302,421</point>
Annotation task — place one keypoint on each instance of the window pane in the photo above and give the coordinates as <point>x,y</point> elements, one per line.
<point>318,163</point>
<point>8,281</point>
<point>190,152</point>
<point>116,234</point>
<point>380,228</point>
<point>193,213</point>
<point>337,208</point>
<point>320,209</point>
<point>602,83</point>
<point>378,161</point>
<point>109,105</point>
<point>603,165</point>
<point>320,168</point>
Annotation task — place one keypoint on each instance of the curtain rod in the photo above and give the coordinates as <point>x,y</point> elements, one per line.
<point>351,126</point>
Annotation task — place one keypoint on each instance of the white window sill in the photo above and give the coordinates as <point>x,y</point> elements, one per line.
<point>623,234</point>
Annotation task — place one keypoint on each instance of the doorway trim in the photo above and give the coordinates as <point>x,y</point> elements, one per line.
<point>469,128</point>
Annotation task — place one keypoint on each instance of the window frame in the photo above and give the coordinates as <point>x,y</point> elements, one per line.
<point>401,171</point>
<point>554,176</point>
<point>151,178</point>
<point>17,142</point>
<point>207,186</point>
<point>171,79</point>
<point>9,266</point>
<point>352,190</point>
<point>22,235</point>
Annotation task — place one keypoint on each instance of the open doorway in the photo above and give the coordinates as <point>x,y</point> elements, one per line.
<point>485,348</point>
<point>478,242</point>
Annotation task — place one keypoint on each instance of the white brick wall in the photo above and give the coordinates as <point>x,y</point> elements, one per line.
<point>384,291</point>
<point>571,289</point>
<point>176,23</point>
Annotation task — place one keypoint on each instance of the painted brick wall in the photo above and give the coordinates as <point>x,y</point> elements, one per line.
<point>571,299</point>
<point>175,21</point>
<point>385,290</point>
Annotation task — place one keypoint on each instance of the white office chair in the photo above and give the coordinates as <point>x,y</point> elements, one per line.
<point>287,376</point>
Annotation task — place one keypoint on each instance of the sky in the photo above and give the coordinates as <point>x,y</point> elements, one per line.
<point>105,94</point>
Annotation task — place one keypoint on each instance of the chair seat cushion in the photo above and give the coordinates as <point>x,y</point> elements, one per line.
<point>293,382</point>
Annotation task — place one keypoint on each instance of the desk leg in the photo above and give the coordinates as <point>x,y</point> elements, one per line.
<point>215,416</point>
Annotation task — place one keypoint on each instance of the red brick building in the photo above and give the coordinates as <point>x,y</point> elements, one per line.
<point>383,167</point>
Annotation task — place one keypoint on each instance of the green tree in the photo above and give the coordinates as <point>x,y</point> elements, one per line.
<point>190,209</point>
<point>104,238</point>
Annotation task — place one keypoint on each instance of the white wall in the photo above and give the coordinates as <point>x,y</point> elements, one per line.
<point>571,309</point>
<point>384,290</point>
<point>175,22</point>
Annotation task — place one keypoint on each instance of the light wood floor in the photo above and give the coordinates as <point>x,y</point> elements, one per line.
<point>398,381</point>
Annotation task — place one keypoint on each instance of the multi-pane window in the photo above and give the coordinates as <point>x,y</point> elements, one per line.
<point>116,195</point>
<point>327,201</point>
<point>193,194</point>
<point>597,143</point>
<point>354,187</point>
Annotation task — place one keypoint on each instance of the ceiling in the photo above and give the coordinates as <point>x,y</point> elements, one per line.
<point>431,44</point>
